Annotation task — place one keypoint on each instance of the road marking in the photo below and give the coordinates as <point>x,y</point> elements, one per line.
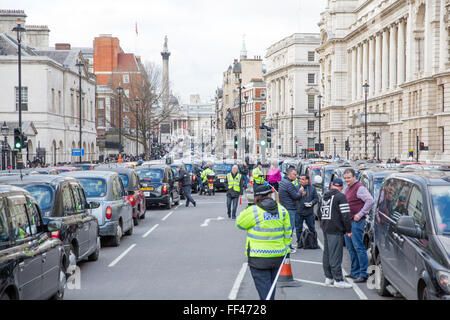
<point>305,261</point>
<point>148,232</point>
<point>237,283</point>
<point>200,202</point>
<point>207,221</point>
<point>121,256</point>
<point>357,290</point>
<point>164,219</point>
<point>312,282</point>
<point>178,206</point>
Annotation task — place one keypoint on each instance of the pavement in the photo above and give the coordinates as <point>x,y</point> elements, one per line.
<point>195,254</point>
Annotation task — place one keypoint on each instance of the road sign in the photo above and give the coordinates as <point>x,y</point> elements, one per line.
<point>77,152</point>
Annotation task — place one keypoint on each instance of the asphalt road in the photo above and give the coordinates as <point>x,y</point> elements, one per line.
<point>194,254</point>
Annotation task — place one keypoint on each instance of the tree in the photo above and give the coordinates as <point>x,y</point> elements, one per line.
<point>151,111</point>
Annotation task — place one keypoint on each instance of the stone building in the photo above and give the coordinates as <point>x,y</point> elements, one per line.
<point>400,48</point>
<point>293,81</point>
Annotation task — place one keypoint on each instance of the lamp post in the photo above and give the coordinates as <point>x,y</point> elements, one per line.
<point>366,92</point>
<point>19,30</point>
<point>378,139</point>
<point>334,142</point>
<point>320,123</point>
<point>245,131</point>
<point>292,131</point>
<point>119,90</point>
<point>5,132</point>
<point>137,127</point>
<point>79,65</point>
<point>237,70</point>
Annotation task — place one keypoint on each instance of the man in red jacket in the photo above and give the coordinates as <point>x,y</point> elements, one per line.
<point>360,201</point>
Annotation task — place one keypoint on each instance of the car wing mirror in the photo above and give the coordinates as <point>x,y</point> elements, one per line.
<point>94,205</point>
<point>406,226</point>
<point>318,181</point>
<point>54,225</point>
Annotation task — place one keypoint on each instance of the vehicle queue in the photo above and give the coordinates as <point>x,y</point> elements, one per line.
<point>52,218</point>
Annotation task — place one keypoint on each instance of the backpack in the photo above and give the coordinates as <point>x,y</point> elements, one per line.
<point>308,240</point>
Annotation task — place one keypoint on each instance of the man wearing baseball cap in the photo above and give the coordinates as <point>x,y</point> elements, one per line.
<point>335,222</point>
<point>269,236</point>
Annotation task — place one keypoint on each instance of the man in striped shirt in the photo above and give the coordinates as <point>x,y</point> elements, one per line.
<point>335,222</point>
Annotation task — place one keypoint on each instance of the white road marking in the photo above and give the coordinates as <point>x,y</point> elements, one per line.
<point>305,261</point>
<point>200,202</point>
<point>121,256</point>
<point>164,219</point>
<point>357,290</point>
<point>148,232</point>
<point>237,283</point>
<point>312,282</point>
<point>207,221</point>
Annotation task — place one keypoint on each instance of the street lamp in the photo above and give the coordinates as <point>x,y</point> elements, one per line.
<point>80,65</point>
<point>119,90</point>
<point>19,30</point>
<point>245,131</point>
<point>320,123</point>
<point>5,132</point>
<point>292,134</point>
<point>378,139</point>
<point>366,92</point>
<point>334,142</point>
<point>237,70</point>
<point>137,127</point>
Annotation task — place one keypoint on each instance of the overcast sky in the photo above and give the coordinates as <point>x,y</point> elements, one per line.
<point>204,35</point>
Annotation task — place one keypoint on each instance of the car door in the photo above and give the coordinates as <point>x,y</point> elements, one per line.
<point>411,250</point>
<point>29,258</point>
<point>88,218</point>
<point>115,201</point>
<point>82,220</point>
<point>49,250</point>
<point>126,208</point>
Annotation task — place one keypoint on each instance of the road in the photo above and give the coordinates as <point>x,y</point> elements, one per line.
<point>194,254</point>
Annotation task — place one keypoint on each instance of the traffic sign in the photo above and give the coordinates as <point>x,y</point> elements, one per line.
<point>77,152</point>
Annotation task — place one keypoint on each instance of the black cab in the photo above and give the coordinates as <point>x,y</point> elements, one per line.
<point>63,199</point>
<point>412,235</point>
<point>30,261</point>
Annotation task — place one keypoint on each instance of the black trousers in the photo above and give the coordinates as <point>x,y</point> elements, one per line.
<point>264,279</point>
<point>332,256</point>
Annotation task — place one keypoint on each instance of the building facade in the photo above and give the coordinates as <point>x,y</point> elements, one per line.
<point>50,93</point>
<point>401,50</point>
<point>293,82</point>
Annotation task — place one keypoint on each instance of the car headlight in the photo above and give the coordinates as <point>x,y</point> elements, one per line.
<point>444,280</point>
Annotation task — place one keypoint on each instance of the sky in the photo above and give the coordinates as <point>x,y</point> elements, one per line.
<point>204,35</point>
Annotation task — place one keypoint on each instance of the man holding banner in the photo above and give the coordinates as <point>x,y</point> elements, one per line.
<point>269,236</point>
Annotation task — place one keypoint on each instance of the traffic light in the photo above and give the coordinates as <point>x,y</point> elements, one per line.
<point>269,135</point>
<point>24,139</point>
<point>236,143</point>
<point>347,145</point>
<point>121,150</point>
<point>422,147</point>
<point>17,139</point>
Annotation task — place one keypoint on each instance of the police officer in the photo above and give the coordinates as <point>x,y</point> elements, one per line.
<point>258,176</point>
<point>235,188</point>
<point>269,236</point>
<point>204,176</point>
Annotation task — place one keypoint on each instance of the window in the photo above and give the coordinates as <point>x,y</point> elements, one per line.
<point>126,78</point>
<point>101,121</point>
<point>263,93</point>
<point>77,201</point>
<point>24,98</point>
<point>127,93</point>
<point>53,100</point>
<point>311,102</point>
<point>126,123</point>
<point>311,56</point>
<point>101,104</point>
<point>19,219</point>
<point>311,143</point>
<point>263,107</point>
<point>311,78</point>
<point>415,208</point>
<point>126,107</point>
<point>33,214</point>
<point>311,125</point>
<point>442,137</point>
<point>4,227</point>
<point>67,200</point>
<point>94,187</point>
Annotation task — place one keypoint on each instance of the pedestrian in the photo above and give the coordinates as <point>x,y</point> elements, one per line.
<point>185,179</point>
<point>274,175</point>
<point>235,188</point>
<point>269,235</point>
<point>289,195</point>
<point>335,222</point>
<point>360,201</point>
<point>305,207</point>
<point>244,171</point>
<point>258,176</point>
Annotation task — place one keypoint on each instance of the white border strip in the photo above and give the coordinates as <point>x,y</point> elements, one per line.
<point>121,256</point>
<point>148,232</point>
<point>168,215</point>
<point>305,261</point>
<point>237,283</point>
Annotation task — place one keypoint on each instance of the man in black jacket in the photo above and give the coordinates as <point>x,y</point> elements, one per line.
<point>185,178</point>
<point>335,222</point>
<point>235,188</point>
<point>305,208</point>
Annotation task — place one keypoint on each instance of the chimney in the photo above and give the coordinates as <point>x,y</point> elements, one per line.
<point>62,46</point>
<point>8,20</point>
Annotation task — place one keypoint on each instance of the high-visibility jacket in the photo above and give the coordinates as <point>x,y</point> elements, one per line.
<point>258,177</point>
<point>235,183</point>
<point>205,174</point>
<point>268,235</point>
<point>296,183</point>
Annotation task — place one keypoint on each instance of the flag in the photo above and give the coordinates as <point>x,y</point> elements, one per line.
<point>136,29</point>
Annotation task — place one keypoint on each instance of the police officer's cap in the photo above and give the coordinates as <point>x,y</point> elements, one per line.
<point>263,190</point>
